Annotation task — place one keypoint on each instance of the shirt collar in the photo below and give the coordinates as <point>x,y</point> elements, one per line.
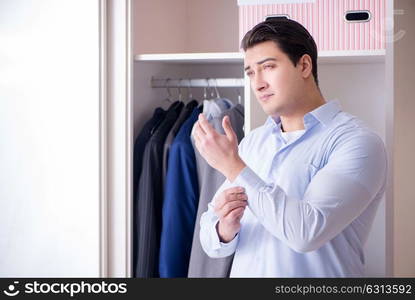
<point>326,112</point>
<point>323,114</point>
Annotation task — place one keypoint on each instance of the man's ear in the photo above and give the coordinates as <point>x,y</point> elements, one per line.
<point>306,66</point>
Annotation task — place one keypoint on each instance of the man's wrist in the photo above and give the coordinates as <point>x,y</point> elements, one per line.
<point>235,169</point>
<point>223,238</point>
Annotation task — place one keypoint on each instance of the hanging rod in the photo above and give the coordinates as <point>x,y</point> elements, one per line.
<point>196,82</point>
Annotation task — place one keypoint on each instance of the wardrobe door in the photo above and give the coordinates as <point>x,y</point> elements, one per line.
<point>49,133</point>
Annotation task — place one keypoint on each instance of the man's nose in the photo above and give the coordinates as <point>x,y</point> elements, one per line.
<point>259,83</point>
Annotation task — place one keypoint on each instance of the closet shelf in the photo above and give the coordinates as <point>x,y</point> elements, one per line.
<point>223,57</point>
<point>325,57</point>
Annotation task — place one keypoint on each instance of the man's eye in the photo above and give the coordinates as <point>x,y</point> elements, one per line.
<point>268,66</point>
<point>249,73</point>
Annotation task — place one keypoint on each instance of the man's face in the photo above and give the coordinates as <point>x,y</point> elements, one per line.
<point>277,84</point>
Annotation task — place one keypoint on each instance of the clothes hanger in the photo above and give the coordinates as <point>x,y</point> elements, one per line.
<point>216,89</point>
<point>204,91</point>
<point>215,105</point>
<point>212,91</point>
<point>205,102</point>
<point>228,103</point>
<point>189,91</point>
<point>169,96</point>
<point>180,90</point>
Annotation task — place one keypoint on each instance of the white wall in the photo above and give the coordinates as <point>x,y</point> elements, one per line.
<point>49,133</point>
<point>159,26</point>
<point>212,26</point>
<point>404,146</point>
<point>174,26</point>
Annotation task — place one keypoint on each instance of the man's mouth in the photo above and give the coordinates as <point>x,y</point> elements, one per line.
<point>265,97</point>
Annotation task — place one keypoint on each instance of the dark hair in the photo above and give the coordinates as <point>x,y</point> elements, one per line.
<point>290,36</point>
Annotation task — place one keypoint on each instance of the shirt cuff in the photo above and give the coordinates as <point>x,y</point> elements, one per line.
<point>249,179</point>
<point>217,244</point>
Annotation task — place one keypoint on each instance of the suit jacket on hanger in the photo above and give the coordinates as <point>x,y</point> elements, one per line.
<point>150,197</point>
<point>185,113</point>
<point>180,204</point>
<point>210,180</point>
<point>139,147</point>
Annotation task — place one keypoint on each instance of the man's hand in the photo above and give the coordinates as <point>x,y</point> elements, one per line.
<point>230,206</point>
<point>220,151</point>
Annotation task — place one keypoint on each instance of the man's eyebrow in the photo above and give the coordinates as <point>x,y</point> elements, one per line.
<point>261,62</point>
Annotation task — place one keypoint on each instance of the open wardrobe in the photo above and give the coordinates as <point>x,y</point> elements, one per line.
<point>189,52</point>
<point>101,161</point>
<point>187,61</point>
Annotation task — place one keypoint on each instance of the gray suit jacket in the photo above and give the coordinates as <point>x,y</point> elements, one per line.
<point>200,264</point>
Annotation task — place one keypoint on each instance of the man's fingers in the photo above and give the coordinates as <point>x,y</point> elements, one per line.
<point>230,206</point>
<point>235,197</point>
<point>198,139</point>
<point>235,214</point>
<point>235,189</point>
<point>223,208</point>
<point>196,135</point>
<point>228,195</point>
<point>199,130</point>
<point>205,126</point>
<point>227,127</point>
<point>222,201</point>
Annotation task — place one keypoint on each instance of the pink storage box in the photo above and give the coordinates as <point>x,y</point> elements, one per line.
<point>324,19</point>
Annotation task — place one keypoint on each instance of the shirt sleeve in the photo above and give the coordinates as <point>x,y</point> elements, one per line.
<point>209,237</point>
<point>338,193</point>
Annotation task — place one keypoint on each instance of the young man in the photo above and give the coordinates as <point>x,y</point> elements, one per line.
<point>302,190</point>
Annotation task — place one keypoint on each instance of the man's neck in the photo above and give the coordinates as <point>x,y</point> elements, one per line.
<point>295,121</point>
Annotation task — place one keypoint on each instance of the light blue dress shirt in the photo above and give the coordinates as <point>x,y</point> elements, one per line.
<point>311,201</point>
